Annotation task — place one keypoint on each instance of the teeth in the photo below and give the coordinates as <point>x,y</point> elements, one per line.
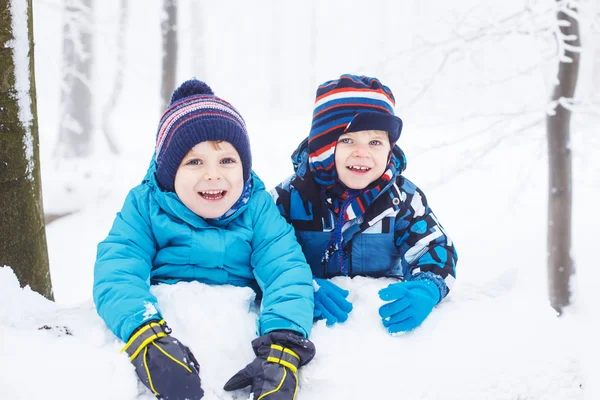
<point>211,191</point>
<point>359,168</point>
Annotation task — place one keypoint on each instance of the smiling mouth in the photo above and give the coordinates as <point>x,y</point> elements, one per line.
<point>358,169</point>
<point>212,195</point>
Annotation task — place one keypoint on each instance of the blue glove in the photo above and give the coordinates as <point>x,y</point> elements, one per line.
<point>410,303</point>
<point>330,302</point>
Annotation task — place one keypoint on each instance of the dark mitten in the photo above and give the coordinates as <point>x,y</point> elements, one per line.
<point>163,363</point>
<point>274,371</point>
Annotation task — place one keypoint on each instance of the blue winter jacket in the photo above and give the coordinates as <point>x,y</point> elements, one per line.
<point>397,236</point>
<point>156,239</point>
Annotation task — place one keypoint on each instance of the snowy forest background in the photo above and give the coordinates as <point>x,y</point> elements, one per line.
<point>472,81</point>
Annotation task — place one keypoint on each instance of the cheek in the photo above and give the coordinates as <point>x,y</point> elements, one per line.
<point>339,156</point>
<point>383,158</point>
<point>339,164</point>
<point>236,177</point>
<point>180,182</point>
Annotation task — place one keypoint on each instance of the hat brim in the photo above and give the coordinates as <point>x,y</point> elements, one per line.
<point>376,121</point>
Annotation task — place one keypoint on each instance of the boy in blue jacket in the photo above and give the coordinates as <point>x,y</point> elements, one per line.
<point>354,212</point>
<point>201,214</point>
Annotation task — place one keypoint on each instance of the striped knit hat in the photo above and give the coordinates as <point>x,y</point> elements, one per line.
<point>196,115</point>
<point>348,104</point>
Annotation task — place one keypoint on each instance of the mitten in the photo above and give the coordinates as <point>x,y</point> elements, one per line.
<point>330,302</point>
<point>409,304</point>
<point>274,372</point>
<point>163,363</point>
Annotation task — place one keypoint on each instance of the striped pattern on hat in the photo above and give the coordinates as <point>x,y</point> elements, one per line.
<point>338,102</point>
<point>196,115</point>
<point>186,109</point>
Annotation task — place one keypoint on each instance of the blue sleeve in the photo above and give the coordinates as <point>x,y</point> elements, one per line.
<point>122,270</point>
<point>427,251</point>
<point>281,271</point>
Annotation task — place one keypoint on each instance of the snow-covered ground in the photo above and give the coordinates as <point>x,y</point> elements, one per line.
<point>487,341</point>
<point>495,337</point>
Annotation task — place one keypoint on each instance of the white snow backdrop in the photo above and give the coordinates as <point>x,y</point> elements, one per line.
<point>494,337</point>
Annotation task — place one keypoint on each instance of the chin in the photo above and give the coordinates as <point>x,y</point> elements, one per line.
<point>204,213</point>
<point>211,215</point>
<point>356,184</point>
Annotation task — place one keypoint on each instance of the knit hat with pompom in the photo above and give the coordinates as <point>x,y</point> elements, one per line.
<point>196,115</point>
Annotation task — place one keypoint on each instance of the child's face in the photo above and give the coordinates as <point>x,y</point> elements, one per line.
<point>361,157</point>
<point>210,178</point>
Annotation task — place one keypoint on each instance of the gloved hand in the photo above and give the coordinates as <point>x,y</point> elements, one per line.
<point>330,302</point>
<point>410,303</point>
<point>273,373</point>
<point>164,364</point>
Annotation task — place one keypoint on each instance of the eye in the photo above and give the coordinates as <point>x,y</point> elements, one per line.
<point>228,160</point>
<point>194,161</point>
<point>345,140</point>
<point>375,142</point>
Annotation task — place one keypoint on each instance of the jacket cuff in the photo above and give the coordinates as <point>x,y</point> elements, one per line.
<point>436,279</point>
<point>134,322</point>
<point>278,324</point>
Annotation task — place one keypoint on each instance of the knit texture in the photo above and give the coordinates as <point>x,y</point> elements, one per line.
<point>196,115</point>
<point>348,104</point>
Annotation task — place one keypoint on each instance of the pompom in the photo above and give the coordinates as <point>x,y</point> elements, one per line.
<point>190,88</point>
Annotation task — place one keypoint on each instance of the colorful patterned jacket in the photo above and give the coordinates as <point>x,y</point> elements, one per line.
<point>397,236</point>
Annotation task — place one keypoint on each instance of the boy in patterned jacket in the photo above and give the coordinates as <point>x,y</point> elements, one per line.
<point>201,214</point>
<point>354,212</point>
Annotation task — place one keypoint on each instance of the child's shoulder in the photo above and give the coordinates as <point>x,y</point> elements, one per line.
<point>411,194</point>
<point>261,201</point>
<point>260,195</point>
<point>140,198</point>
<point>305,186</point>
<point>286,184</point>
<point>406,185</point>
<point>141,192</point>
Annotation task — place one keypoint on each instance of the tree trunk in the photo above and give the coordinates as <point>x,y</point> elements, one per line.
<point>75,126</point>
<point>560,264</point>
<point>22,231</point>
<point>169,44</point>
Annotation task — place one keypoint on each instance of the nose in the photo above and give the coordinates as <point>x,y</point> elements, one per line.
<point>211,173</point>
<point>360,151</point>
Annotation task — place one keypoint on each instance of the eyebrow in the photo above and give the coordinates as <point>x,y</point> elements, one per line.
<point>380,134</point>
<point>375,133</point>
<point>224,153</point>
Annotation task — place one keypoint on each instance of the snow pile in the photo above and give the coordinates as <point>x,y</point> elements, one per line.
<point>488,342</point>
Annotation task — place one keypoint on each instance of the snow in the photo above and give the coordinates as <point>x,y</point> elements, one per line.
<point>20,46</point>
<point>495,337</point>
<point>481,343</point>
